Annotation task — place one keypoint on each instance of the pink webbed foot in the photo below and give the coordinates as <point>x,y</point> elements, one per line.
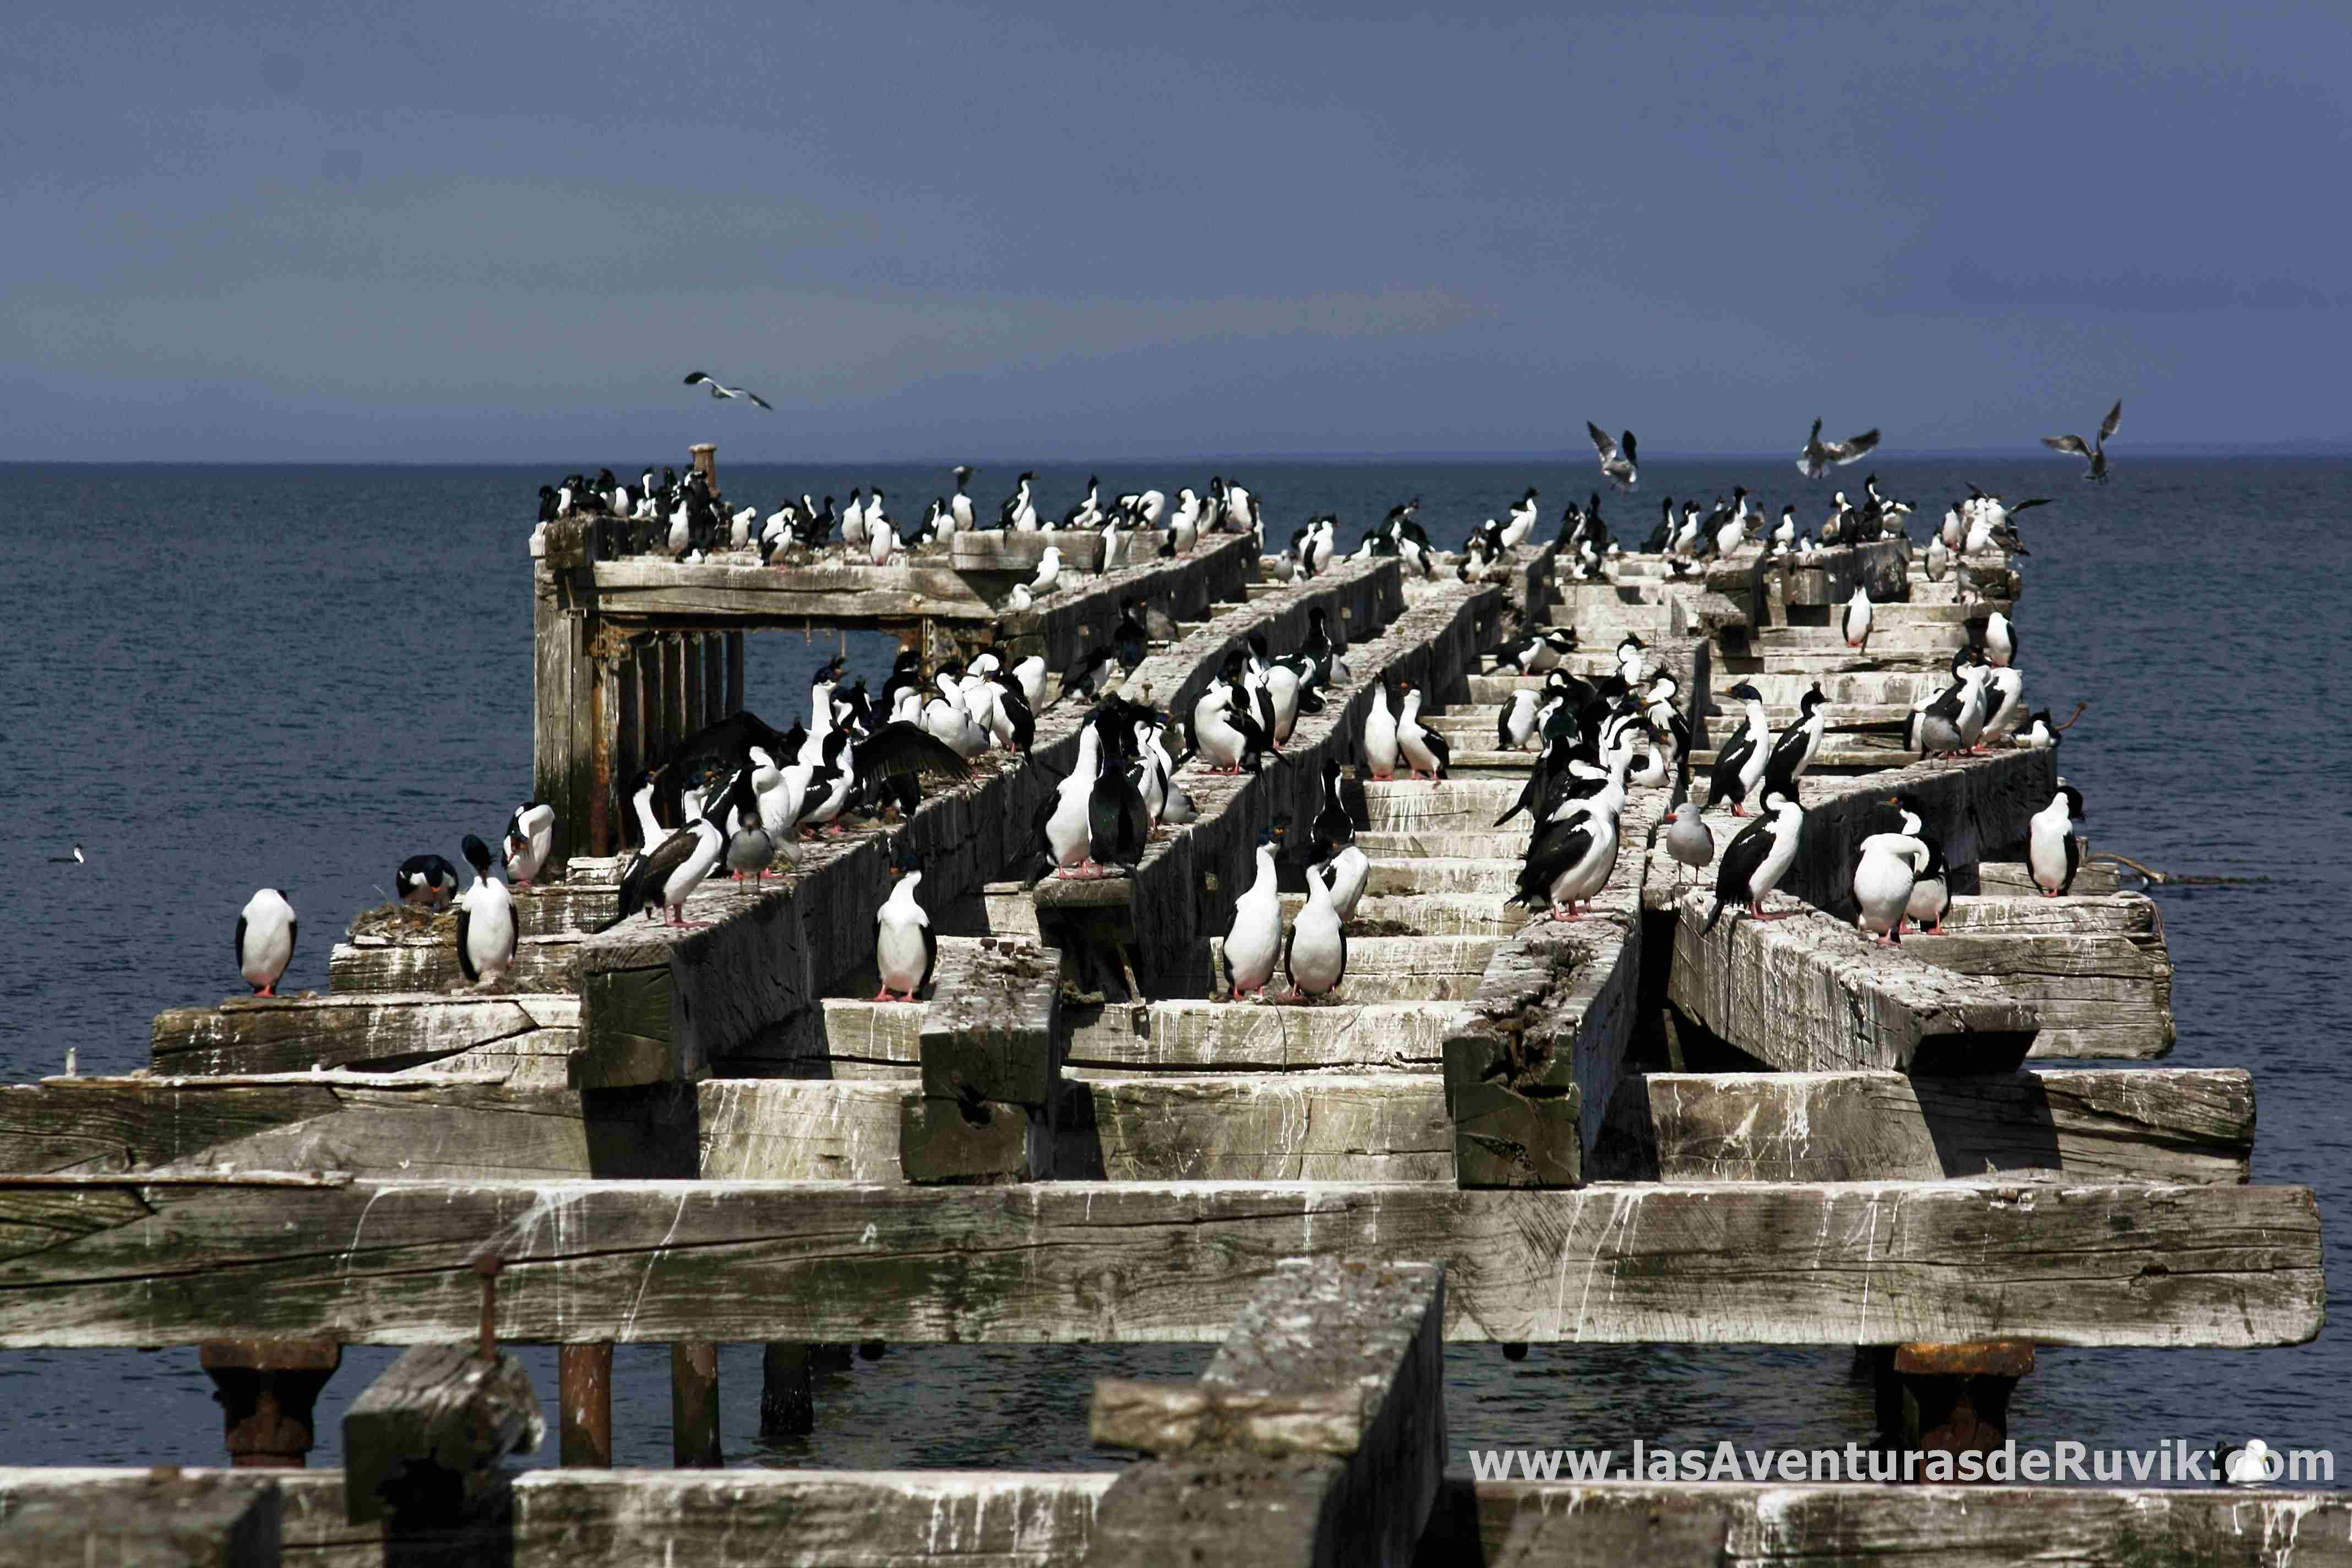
<point>883,995</point>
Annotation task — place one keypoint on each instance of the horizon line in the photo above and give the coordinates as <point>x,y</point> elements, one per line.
<point>2160,451</point>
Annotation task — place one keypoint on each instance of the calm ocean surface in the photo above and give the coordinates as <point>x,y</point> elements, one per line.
<point>221,679</point>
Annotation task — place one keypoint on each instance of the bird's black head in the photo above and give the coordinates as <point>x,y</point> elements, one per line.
<point>1812,700</point>
<point>1276,831</point>
<point>2074,802</point>
<point>478,854</point>
<point>1744,692</point>
<point>1631,640</point>
<point>640,783</point>
<point>903,858</point>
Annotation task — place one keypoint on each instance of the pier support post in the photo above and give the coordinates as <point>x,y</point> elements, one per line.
<point>584,1378</point>
<point>1950,1399</point>
<point>694,1406</point>
<point>267,1390</point>
<point>991,1070</point>
<point>787,1391</point>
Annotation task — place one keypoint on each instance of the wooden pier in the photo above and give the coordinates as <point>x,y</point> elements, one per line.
<point>1622,1129</point>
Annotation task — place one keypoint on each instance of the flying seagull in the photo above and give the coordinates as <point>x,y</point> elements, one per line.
<point>1818,454</point>
<point>698,379</point>
<point>1616,456</point>
<point>2095,451</point>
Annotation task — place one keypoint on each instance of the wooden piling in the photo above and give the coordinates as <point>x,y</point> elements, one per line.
<point>267,1390</point>
<point>787,1389</point>
<point>585,1382</point>
<point>694,1406</point>
<point>423,1445</point>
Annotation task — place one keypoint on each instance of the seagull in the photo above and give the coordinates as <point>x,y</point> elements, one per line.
<point>1617,458</point>
<point>699,379</point>
<point>1819,455</point>
<point>2095,451</point>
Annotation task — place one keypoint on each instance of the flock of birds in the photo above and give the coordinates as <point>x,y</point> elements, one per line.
<point>728,796</point>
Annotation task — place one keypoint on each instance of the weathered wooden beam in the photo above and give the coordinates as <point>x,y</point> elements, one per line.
<point>295,1033</point>
<point>1240,1036</point>
<point>390,1262</point>
<point>2093,996</point>
<point>745,1518</point>
<point>425,1441</point>
<point>416,963</point>
<point>1335,1373</point>
<point>159,1518</point>
<point>1793,1524</point>
<point>2163,1125</point>
<point>990,1066</point>
<point>2013,880</point>
<point>1808,993</point>
<point>1259,1127</point>
<point>422,1126</point>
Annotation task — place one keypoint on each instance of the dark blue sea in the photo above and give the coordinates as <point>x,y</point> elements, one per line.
<point>219,679</point>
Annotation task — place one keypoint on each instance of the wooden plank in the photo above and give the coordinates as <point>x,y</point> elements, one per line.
<point>634,1033</point>
<point>159,1518</point>
<point>1235,1036</point>
<point>1336,1364</point>
<point>1314,1127</point>
<point>2013,880</point>
<point>294,1033</point>
<point>745,1518</point>
<point>745,593</point>
<point>412,964</point>
<point>118,1262</point>
<point>421,1127</point>
<point>991,1065</point>
<point>2160,1125</point>
<point>425,1439</point>
<point>1808,993</point>
<point>2106,914</point>
<point>1792,1524</point>
<point>2095,996</point>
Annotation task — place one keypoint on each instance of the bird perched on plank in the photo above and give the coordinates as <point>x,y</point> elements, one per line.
<point>265,930</point>
<point>2052,852</point>
<point>1756,861</point>
<point>426,881</point>
<point>906,949</point>
<point>1254,939</point>
<point>485,921</point>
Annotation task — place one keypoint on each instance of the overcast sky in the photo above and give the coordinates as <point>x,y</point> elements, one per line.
<point>427,231</point>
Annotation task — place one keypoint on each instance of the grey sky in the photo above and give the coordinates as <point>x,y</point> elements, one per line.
<point>430,231</point>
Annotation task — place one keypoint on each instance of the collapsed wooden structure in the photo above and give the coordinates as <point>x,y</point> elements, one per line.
<point>1620,1129</point>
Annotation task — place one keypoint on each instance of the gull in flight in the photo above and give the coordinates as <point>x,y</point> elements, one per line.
<point>698,379</point>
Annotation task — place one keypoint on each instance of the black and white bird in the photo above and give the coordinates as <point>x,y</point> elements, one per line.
<point>1617,458</point>
<point>1884,877</point>
<point>1754,862</point>
<point>670,872</point>
<point>1931,891</point>
<point>1425,750</point>
<point>1854,620</point>
<point>530,839</point>
<point>77,859</point>
<point>1314,953</point>
<point>1018,514</point>
<point>485,921</point>
<point>1740,765</point>
<point>1569,859</point>
<point>2000,641</point>
<point>1542,650</point>
<point>1795,748</point>
<point>1254,939</point>
<point>960,507</point>
<point>1819,456</point>
<point>2096,453</point>
<point>1520,526</point>
<point>2052,852</point>
<point>265,930</point>
<point>1379,739</point>
<point>906,949</point>
<point>698,379</point>
<point>1514,725</point>
<point>426,881</point>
